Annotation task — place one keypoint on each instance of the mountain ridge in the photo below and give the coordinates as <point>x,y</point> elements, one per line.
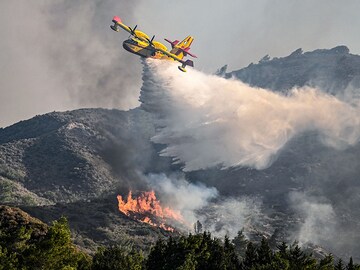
<point>76,162</point>
<point>332,70</point>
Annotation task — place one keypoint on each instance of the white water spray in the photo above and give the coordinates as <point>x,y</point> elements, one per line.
<point>206,121</point>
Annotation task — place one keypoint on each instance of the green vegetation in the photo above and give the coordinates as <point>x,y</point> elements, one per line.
<point>12,192</point>
<point>41,248</point>
<point>27,243</point>
<point>116,258</point>
<point>201,251</point>
<point>9,173</point>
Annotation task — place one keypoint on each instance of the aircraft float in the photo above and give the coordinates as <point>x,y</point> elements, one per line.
<point>139,43</point>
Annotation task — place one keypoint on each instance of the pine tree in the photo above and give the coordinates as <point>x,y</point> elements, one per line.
<point>283,250</point>
<point>115,257</point>
<point>299,260</point>
<point>350,265</point>
<point>156,258</point>
<point>240,242</point>
<point>231,260</point>
<point>55,250</point>
<point>251,257</point>
<point>340,265</point>
<point>327,263</point>
<point>189,263</point>
<point>264,252</point>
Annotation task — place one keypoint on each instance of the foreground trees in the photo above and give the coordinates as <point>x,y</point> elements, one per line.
<point>40,247</point>
<point>202,251</point>
<point>199,251</point>
<point>116,258</point>
<point>27,243</point>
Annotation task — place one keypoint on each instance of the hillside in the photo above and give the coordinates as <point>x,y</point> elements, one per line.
<point>72,156</point>
<point>75,163</point>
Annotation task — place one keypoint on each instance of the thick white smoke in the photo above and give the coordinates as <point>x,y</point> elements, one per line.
<point>183,196</point>
<point>195,201</point>
<point>230,215</point>
<point>318,219</point>
<point>206,121</point>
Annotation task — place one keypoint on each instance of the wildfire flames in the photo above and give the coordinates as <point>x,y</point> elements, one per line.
<point>146,208</point>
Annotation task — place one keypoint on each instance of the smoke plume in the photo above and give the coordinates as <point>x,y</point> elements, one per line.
<point>59,55</point>
<point>195,201</point>
<point>181,195</point>
<point>207,121</point>
<point>319,219</point>
<point>227,216</point>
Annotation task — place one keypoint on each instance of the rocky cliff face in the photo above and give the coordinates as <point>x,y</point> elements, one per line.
<point>332,70</point>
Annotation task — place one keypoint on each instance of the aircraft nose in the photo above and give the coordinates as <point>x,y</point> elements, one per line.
<point>126,46</point>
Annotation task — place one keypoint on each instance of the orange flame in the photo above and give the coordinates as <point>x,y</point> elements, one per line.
<point>148,206</point>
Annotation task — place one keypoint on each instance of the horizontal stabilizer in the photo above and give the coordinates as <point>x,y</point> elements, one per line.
<point>173,43</point>
<point>189,63</point>
<point>186,52</point>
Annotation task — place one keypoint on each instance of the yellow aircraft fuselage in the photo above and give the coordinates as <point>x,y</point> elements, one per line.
<point>142,49</point>
<point>140,44</point>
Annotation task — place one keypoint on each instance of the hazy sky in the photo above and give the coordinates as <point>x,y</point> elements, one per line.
<point>59,55</point>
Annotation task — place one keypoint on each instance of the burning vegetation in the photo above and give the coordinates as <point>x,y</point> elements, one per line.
<point>147,208</point>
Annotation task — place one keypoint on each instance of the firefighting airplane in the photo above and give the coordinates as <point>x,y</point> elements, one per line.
<point>139,43</point>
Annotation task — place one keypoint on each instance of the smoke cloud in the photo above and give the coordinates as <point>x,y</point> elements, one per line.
<point>58,55</point>
<point>180,194</point>
<point>195,201</point>
<point>319,219</point>
<point>207,121</point>
<point>227,216</point>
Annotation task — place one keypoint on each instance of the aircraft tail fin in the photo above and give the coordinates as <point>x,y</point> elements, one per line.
<point>186,42</point>
<point>181,49</point>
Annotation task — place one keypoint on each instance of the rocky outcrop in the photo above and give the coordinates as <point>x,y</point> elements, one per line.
<point>332,70</point>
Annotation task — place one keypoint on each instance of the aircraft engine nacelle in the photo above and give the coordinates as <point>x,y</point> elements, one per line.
<point>115,27</point>
<point>115,20</point>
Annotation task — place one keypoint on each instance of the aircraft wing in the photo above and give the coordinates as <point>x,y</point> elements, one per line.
<point>173,56</point>
<point>117,22</point>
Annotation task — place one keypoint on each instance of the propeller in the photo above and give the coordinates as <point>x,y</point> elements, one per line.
<point>132,30</point>
<point>152,45</point>
<point>151,41</point>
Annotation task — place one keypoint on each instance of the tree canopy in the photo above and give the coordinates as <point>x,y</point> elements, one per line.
<point>27,243</point>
